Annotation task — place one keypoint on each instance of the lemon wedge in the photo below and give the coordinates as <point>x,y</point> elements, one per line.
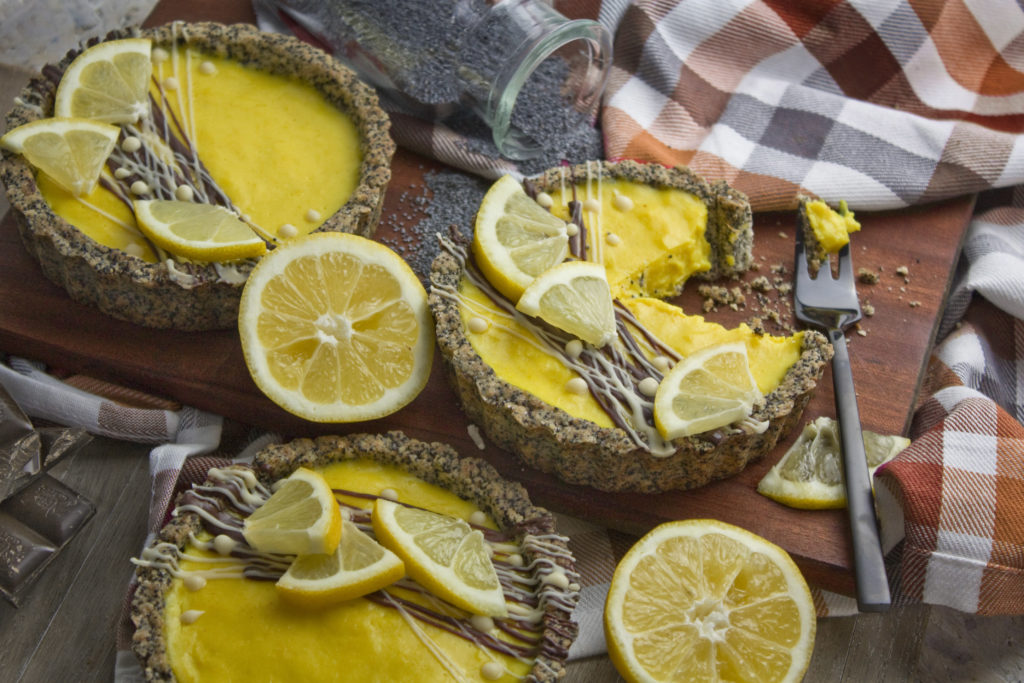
<point>300,517</point>
<point>201,232</point>
<point>810,474</point>
<point>574,297</point>
<point>443,554</point>
<point>706,390</point>
<point>336,328</point>
<point>72,151</point>
<point>107,82</point>
<point>514,239</point>
<point>357,567</point>
<point>701,600</point>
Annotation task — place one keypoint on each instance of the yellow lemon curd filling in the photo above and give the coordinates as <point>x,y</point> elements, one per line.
<point>246,632</point>
<point>658,243</point>
<point>281,152</point>
<point>831,228</point>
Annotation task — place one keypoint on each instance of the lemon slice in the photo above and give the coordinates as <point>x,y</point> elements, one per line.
<point>301,517</point>
<point>810,474</point>
<point>706,390</point>
<point>514,239</point>
<point>108,82</point>
<point>336,328</point>
<point>358,566</point>
<point>201,232</point>
<point>71,151</point>
<point>701,600</point>
<point>443,554</point>
<point>574,297</point>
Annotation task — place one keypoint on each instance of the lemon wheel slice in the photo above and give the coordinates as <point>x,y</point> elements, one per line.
<point>201,232</point>
<point>443,554</point>
<point>357,567</point>
<point>574,297</point>
<point>336,328</point>
<point>810,474</point>
<point>701,600</point>
<point>514,239</point>
<point>72,151</point>
<point>706,390</point>
<point>107,82</point>
<point>300,517</point>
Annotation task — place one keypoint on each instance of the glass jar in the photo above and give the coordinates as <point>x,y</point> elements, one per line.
<point>436,58</point>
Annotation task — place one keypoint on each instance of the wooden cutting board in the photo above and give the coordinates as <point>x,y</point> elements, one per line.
<point>206,369</point>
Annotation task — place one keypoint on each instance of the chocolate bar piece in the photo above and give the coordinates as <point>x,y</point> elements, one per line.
<point>23,554</point>
<point>50,508</point>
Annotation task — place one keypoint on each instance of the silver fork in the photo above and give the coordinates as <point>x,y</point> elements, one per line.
<point>830,303</point>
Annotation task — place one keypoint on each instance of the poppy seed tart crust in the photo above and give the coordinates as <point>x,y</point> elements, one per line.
<point>579,451</point>
<point>189,295</point>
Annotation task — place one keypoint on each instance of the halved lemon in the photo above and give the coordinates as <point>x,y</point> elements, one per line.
<point>701,600</point>
<point>357,567</point>
<point>300,517</point>
<point>72,151</point>
<point>336,328</point>
<point>443,554</point>
<point>201,232</point>
<point>706,390</point>
<point>107,82</point>
<point>810,474</point>
<point>574,297</point>
<point>514,239</point>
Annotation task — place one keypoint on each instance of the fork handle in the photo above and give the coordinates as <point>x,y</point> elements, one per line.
<point>869,565</point>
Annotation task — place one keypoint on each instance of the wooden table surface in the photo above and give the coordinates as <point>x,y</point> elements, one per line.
<point>65,628</point>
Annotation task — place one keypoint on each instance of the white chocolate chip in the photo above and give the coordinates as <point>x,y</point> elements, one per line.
<point>648,386</point>
<point>158,55</point>
<point>139,187</point>
<point>477,325</point>
<point>574,348</point>
<point>287,231</point>
<point>388,494</point>
<point>478,517</point>
<point>545,200</point>
<point>592,205</point>
<point>170,83</point>
<point>481,623</point>
<point>556,578</point>
<point>207,68</point>
<point>183,193</point>
<point>312,215</point>
<point>224,544</point>
<point>190,616</point>
<point>622,202</point>
<point>663,363</point>
<point>492,670</point>
<point>515,559</point>
<point>576,385</point>
<point>194,582</point>
<point>613,239</point>
<point>571,229</point>
<point>131,144</point>
<point>122,173</point>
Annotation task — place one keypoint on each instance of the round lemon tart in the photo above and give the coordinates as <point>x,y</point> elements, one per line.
<point>588,414</point>
<point>278,131</point>
<point>205,606</point>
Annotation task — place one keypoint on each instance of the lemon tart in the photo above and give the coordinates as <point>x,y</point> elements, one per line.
<point>586,412</point>
<point>206,608</point>
<point>272,130</point>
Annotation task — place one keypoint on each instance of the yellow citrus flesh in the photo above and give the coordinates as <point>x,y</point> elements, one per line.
<point>248,632</point>
<point>514,239</point>
<point>809,475</point>
<point>107,82</point>
<point>301,517</point>
<point>336,328</point>
<point>201,232</point>
<point>574,297</point>
<point>71,151</point>
<point>706,390</point>
<point>443,554</point>
<point>358,566</point>
<point>701,600</point>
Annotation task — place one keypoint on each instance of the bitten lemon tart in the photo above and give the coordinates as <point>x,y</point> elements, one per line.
<point>214,143</point>
<point>209,605</point>
<point>560,345</point>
